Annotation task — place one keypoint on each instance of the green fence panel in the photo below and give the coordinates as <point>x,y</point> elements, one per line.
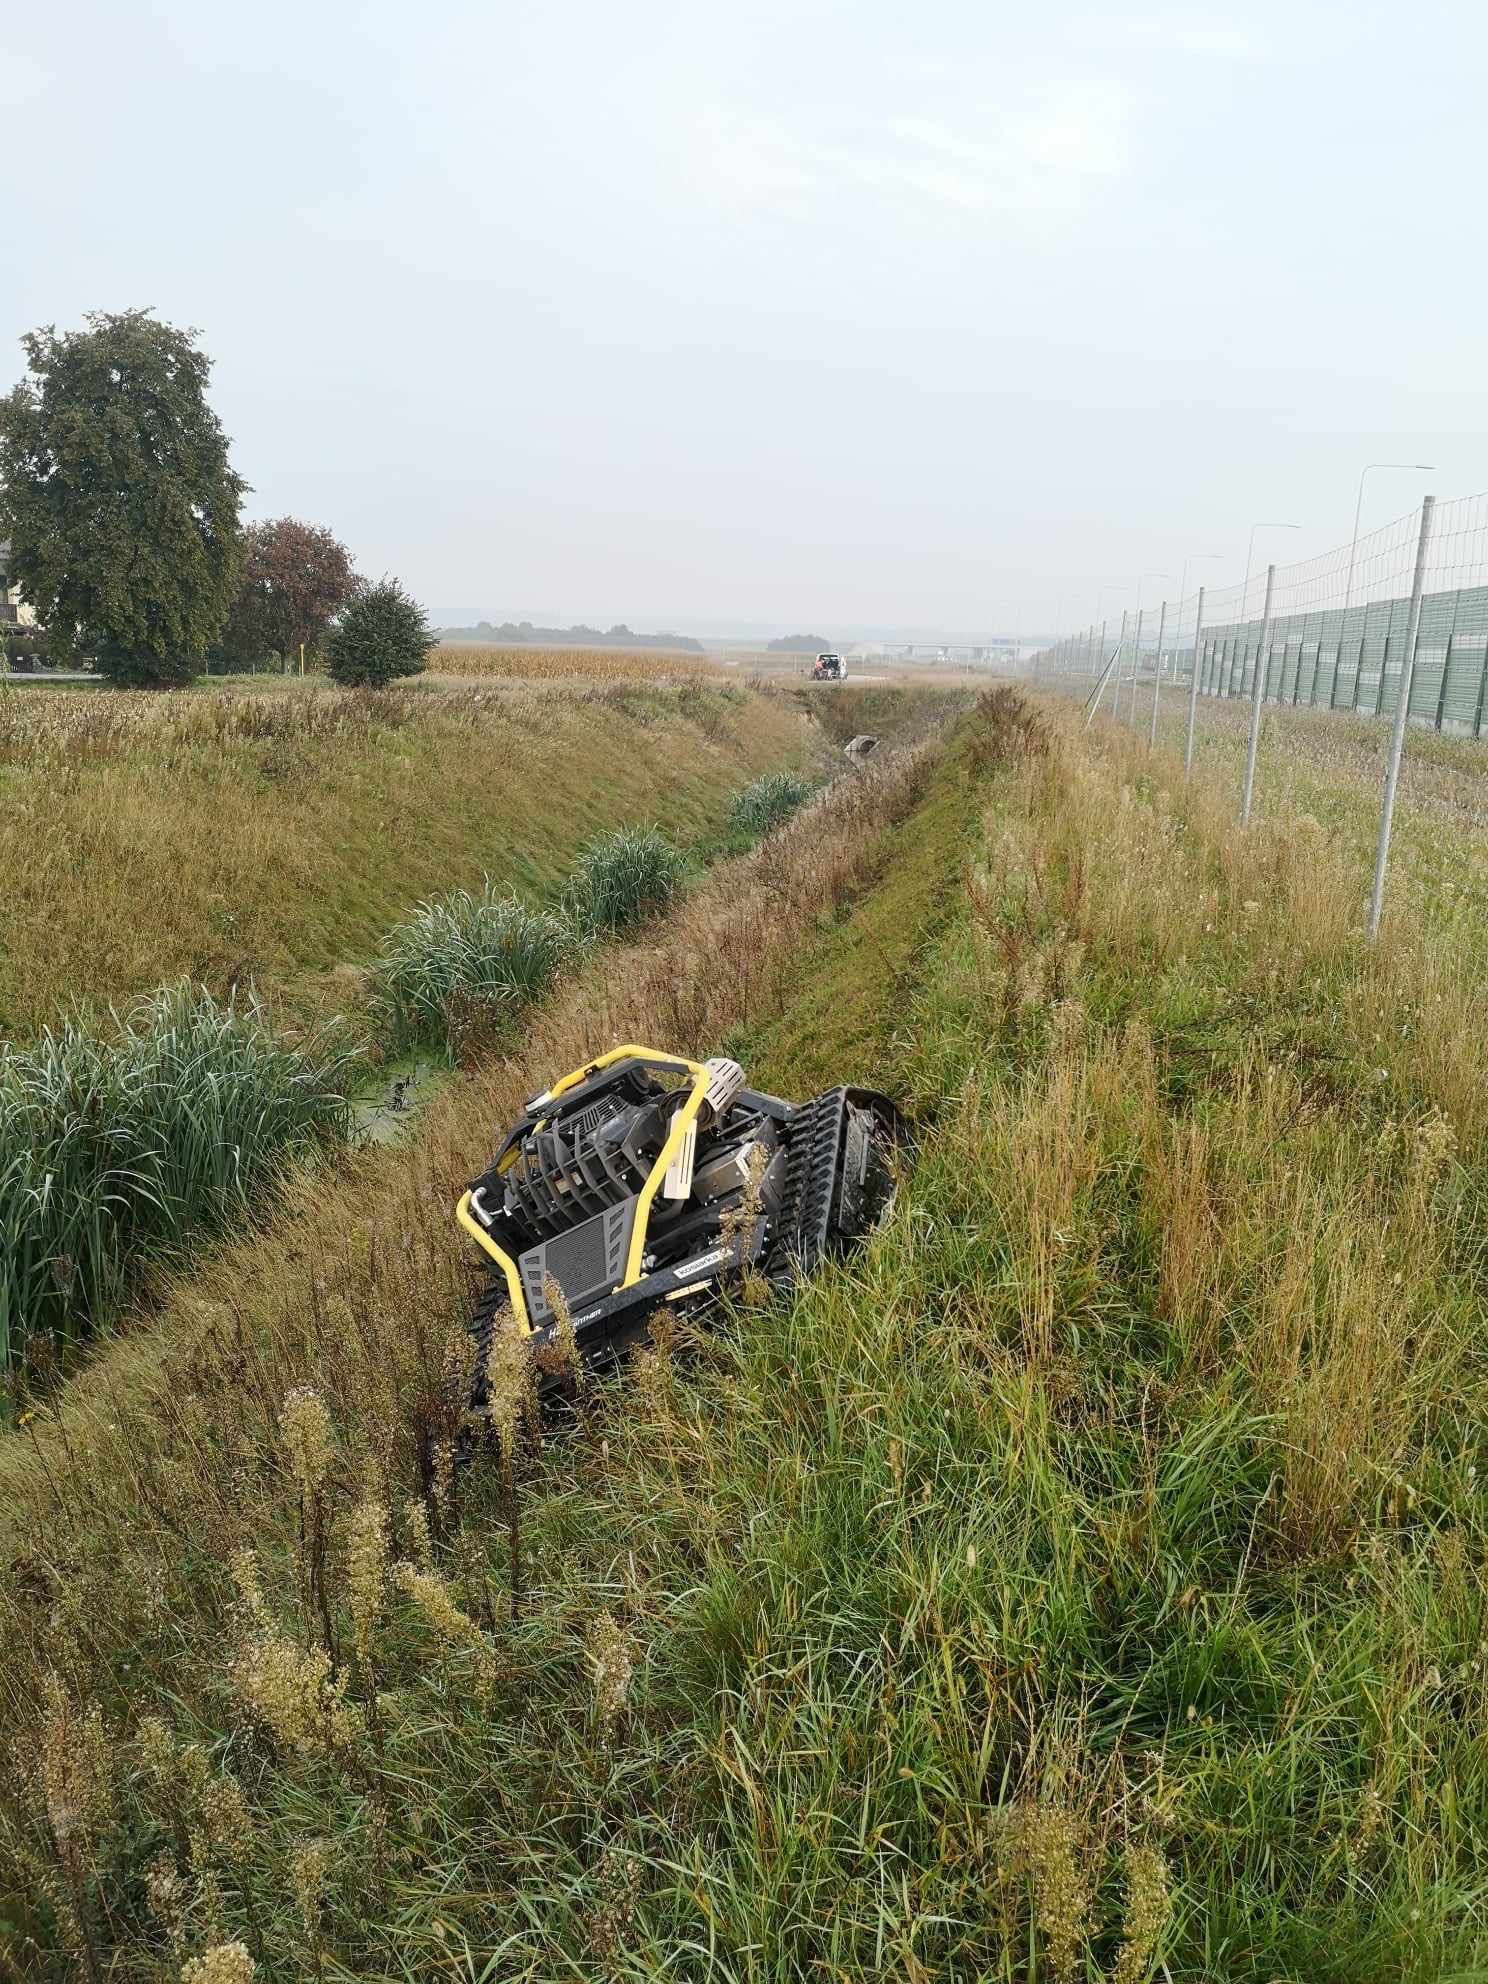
<point>1469,657</point>
<point>1433,639</point>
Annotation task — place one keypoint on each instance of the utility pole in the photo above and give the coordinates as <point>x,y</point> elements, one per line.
<point>1402,715</point>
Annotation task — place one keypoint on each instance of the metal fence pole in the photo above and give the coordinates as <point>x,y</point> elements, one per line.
<point>1162,628</point>
<point>1402,716</point>
<point>1131,706</point>
<point>1193,687</point>
<point>1093,699</point>
<point>1257,691</point>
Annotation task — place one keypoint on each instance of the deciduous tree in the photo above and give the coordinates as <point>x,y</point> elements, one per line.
<point>118,497</point>
<point>296,579</point>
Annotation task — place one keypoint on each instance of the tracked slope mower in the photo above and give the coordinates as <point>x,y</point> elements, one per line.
<point>646,1182</point>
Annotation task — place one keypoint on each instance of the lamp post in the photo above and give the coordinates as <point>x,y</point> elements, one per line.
<point>1425,467</point>
<point>1249,548</point>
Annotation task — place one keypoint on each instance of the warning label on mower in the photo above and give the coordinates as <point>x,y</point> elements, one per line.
<point>713,1260</point>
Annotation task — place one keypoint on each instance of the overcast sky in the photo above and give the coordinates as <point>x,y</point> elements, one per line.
<point>793,314</point>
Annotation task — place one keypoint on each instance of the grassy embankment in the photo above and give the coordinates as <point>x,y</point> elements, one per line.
<point>272,839</point>
<point>1086,1578</point>
<point>360,1289</point>
<point>135,821</point>
<point>472,659</point>
<point>124,1143</point>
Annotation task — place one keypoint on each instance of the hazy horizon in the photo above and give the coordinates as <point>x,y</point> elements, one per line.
<point>806,316</point>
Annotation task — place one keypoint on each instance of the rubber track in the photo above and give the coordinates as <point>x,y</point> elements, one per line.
<point>810,1181</point>
<point>482,1327</point>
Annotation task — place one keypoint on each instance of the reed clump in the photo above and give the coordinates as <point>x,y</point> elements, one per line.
<point>118,1148</point>
<point>482,946</point>
<point>768,800</point>
<point>621,878</point>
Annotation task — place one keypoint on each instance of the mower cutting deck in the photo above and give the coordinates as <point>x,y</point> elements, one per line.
<point>646,1181</point>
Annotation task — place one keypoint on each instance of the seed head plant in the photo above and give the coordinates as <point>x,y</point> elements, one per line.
<point>225,1963</point>
<point>611,1661</point>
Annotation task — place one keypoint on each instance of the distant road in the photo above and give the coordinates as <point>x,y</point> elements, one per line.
<point>24,676</point>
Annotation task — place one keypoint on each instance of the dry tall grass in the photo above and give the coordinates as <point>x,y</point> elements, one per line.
<point>161,1457</point>
<point>1084,1580</point>
<point>273,838</point>
<point>466,659</point>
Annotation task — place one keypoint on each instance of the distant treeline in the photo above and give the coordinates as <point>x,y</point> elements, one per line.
<point>518,633</point>
<point>800,644</point>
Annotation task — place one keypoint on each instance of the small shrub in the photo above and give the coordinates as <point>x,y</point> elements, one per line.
<point>622,878</point>
<point>464,951</point>
<point>118,1148</point>
<point>767,801</point>
<point>380,636</point>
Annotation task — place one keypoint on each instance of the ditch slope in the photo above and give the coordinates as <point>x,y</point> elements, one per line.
<point>1083,1580</point>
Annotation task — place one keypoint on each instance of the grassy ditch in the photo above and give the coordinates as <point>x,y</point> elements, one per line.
<point>272,838</point>
<point>141,1649</point>
<point>1083,1581</point>
<point>122,1144</point>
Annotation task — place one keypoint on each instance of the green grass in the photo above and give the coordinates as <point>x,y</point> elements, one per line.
<point>621,878</point>
<point>766,801</point>
<point>1083,1581</point>
<point>243,835</point>
<point>484,947</point>
<point>116,1149</point>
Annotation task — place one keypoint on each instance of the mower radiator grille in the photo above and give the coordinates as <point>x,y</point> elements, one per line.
<point>586,1261</point>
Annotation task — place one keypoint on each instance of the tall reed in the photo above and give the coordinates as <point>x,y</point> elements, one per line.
<point>481,945</point>
<point>768,800</point>
<point>116,1148</point>
<point>623,877</point>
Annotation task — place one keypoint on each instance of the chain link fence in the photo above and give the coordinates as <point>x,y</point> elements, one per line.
<point>1392,625</point>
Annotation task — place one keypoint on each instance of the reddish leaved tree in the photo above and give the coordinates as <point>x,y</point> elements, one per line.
<point>296,579</point>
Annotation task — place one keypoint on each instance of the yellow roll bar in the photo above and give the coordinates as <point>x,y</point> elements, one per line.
<point>681,1121</point>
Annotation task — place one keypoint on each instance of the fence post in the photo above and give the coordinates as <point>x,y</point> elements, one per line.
<point>1257,692</point>
<point>1112,667</point>
<point>1131,706</point>
<point>1162,628</point>
<point>1402,714</point>
<point>1193,687</point>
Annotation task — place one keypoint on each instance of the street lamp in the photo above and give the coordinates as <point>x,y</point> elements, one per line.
<point>1426,468</point>
<point>1193,558</point>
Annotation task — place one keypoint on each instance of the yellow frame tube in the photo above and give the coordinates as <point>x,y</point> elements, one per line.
<point>502,1259</point>
<point>685,1116</point>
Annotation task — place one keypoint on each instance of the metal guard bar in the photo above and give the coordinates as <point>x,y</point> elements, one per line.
<point>681,1119</point>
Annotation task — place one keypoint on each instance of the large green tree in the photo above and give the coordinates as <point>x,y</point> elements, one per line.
<point>117,495</point>
<point>296,579</point>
